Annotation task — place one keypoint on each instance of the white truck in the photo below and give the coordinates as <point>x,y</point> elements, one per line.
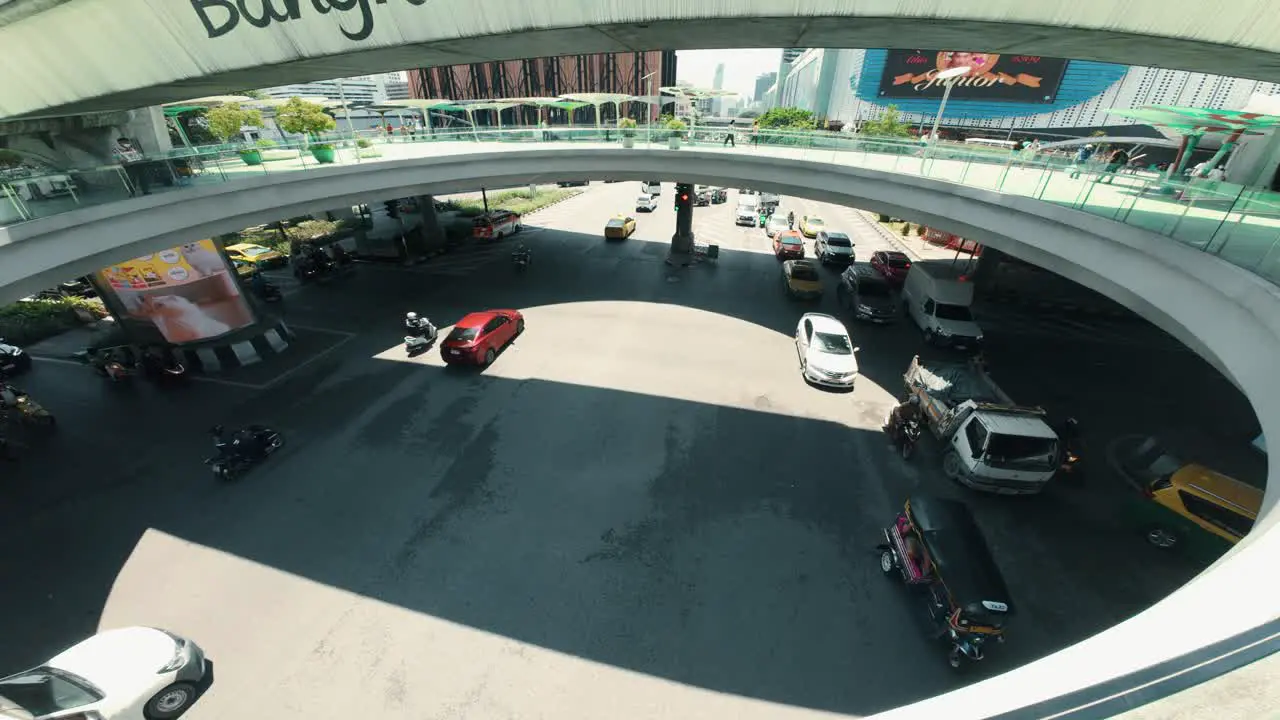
<point>940,306</point>
<point>989,442</point>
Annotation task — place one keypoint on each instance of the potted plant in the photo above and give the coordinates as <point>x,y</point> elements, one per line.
<point>365,149</point>
<point>307,118</point>
<point>229,121</point>
<point>627,128</point>
<point>677,128</point>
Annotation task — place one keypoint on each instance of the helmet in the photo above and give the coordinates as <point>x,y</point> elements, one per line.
<point>1089,146</point>
<point>411,316</point>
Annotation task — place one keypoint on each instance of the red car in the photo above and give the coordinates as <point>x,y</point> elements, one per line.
<point>479,337</point>
<point>892,265</point>
<point>788,244</point>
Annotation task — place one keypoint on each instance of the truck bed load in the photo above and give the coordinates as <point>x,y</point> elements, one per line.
<point>954,382</point>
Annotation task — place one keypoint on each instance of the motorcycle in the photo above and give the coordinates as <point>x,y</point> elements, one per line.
<point>267,292</point>
<point>107,364</point>
<point>29,412</point>
<point>162,367</point>
<point>233,459</point>
<point>521,260</point>
<point>316,266</point>
<point>906,437</point>
<point>420,334</point>
<point>1070,463</point>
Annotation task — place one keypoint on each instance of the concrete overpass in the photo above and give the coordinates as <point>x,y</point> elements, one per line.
<point>1227,314</point>
<point>77,56</point>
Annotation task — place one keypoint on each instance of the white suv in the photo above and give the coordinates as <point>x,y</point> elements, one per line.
<point>135,673</point>
<point>644,203</point>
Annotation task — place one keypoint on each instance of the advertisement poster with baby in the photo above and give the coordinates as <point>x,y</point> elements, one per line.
<point>188,293</point>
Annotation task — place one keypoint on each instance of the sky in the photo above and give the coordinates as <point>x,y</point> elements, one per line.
<point>741,68</point>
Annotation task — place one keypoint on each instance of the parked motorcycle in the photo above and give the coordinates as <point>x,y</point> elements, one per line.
<point>115,364</point>
<point>242,450</point>
<point>1070,464</point>
<point>162,365</point>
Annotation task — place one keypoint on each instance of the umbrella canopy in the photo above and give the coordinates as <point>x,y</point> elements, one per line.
<point>431,104</point>
<point>1188,120</point>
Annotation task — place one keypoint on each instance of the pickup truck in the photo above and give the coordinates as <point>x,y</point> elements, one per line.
<point>990,443</point>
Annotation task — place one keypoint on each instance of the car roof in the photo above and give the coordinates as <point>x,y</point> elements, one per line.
<point>802,262</point>
<point>825,323</point>
<point>477,319</point>
<point>893,254</point>
<point>246,246</point>
<point>1240,497</point>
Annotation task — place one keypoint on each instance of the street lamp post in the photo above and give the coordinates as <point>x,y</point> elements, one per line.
<point>947,74</point>
<point>648,115</point>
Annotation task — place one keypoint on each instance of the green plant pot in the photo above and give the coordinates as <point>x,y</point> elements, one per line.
<point>251,157</point>
<point>323,155</point>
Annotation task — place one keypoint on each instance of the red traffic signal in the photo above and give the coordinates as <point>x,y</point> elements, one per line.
<point>684,197</point>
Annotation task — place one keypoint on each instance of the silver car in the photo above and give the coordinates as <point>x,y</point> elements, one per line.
<point>775,225</point>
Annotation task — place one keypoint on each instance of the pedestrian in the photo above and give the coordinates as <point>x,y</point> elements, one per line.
<point>1081,160</point>
<point>1118,159</point>
<point>546,134</point>
<point>136,169</point>
<point>728,137</point>
<point>755,132</point>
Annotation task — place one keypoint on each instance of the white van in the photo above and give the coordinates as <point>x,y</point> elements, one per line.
<point>651,187</point>
<point>748,212</point>
<point>941,308</point>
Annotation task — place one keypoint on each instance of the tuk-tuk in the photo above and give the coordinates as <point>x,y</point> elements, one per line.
<point>935,546</point>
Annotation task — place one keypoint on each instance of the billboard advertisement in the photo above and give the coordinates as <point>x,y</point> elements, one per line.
<point>911,74</point>
<point>188,293</point>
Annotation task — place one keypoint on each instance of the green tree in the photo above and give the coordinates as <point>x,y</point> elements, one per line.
<point>227,121</point>
<point>889,124</point>
<point>303,118</point>
<point>787,118</point>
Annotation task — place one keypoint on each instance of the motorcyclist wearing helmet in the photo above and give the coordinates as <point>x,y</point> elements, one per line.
<point>791,220</point>
<point>244,444</point>
<point>903,413</point>
<point>417,325</point>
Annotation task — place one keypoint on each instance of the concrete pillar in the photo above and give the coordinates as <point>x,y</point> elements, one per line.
<point>986,271</point>
<point>432,232</point>
<point>682,241</point>
<point>1255,160</point>
<point>148,128</point>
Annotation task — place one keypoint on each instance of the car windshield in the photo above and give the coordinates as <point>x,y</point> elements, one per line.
<point>464,335</point>
<point>803,272</point>
<point>791,240</point>
<point>871,288</point>
<point>953,312</point>
<point>44,691</point>
<point>1021,451</point>
<point>814,222</point>
<point>254,251</point>
<point>838,240</point>
<point>616,222</point>
<point>832,343</point>
<point>644,200</point>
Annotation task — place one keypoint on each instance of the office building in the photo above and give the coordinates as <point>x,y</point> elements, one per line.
<point>857,85</point>
<point>629,73</point>
<point>763,83</point>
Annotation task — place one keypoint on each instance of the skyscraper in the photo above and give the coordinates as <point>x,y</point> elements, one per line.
<point>717,83</point>
<point>784,69</point>
<point>763,83</point>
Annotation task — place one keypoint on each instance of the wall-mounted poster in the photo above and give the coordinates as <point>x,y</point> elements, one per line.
<point>189,292</point>
<point>991,76</point>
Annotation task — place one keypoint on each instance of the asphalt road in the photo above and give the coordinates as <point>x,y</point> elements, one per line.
<point>640,510</point>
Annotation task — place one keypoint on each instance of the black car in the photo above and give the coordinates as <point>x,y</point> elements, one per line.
<point>13,359</point>
<point>833,247</point>
<point>867,294</point>
<point>572,183</point>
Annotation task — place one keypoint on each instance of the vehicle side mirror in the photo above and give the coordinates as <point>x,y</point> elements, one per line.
<point>857,349</point>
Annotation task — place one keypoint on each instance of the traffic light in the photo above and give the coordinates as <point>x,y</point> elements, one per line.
<point>682,199</point>
<point>393,208</point>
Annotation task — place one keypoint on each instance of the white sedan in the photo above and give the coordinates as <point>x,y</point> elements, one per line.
<point>134,673</point>
<point>827,355</point>
<point>645,203</point>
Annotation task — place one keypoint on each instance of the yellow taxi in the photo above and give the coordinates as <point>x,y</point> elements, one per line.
<point>619,227</point>
<point>256,255</point>
<point>801,279</point>
<point>811,225</point>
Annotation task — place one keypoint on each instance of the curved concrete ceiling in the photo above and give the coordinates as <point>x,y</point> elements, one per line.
<point>1226,314</point>
<point>86,55</point>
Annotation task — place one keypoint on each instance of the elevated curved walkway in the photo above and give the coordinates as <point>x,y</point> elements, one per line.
<point>1223,619</point>
<point>208,47</point>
